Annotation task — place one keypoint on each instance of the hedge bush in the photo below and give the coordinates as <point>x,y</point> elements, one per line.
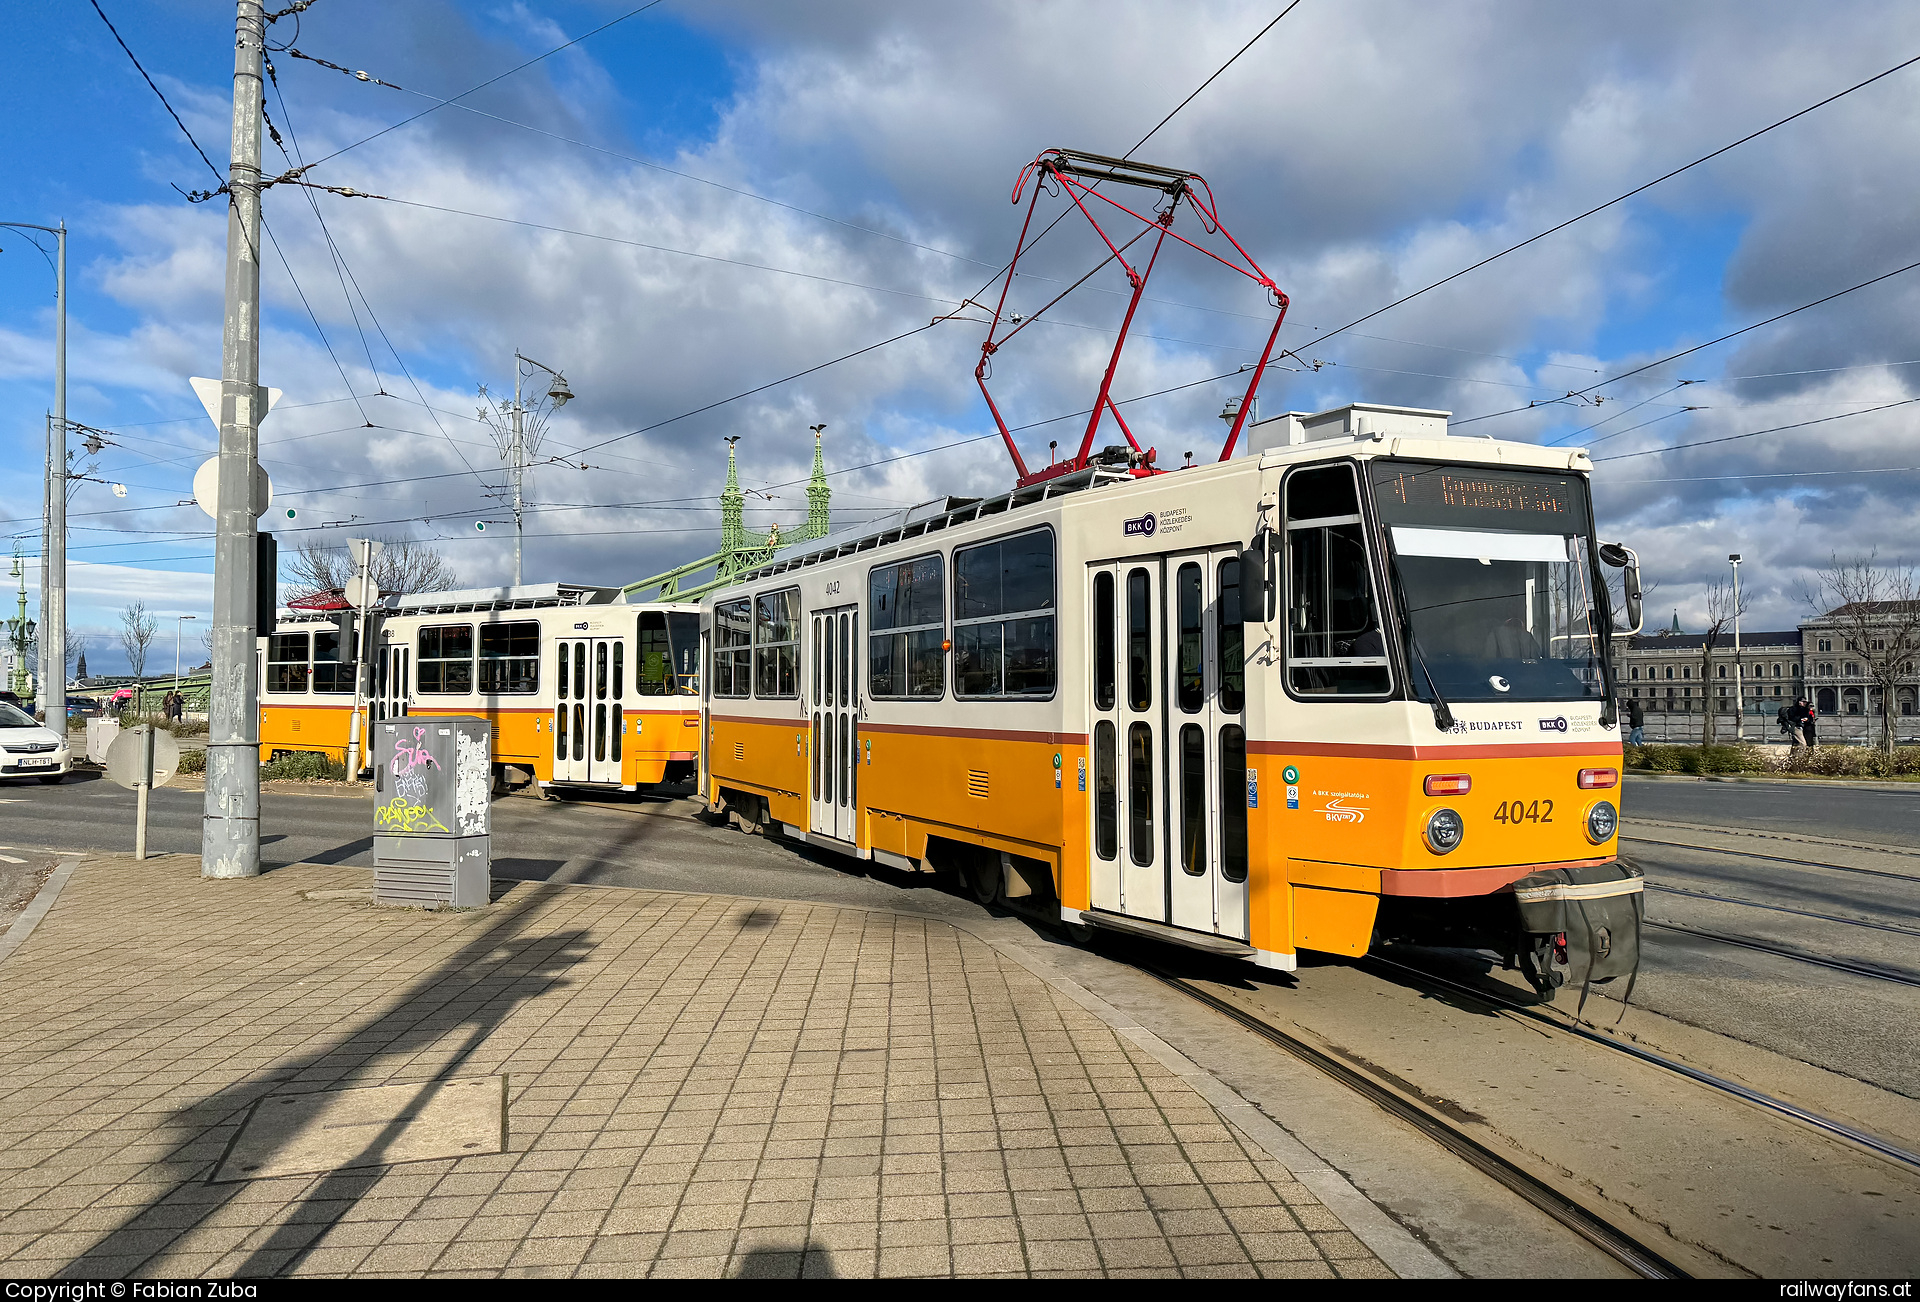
<point>193,761</point>
<point>1821,761</point>
<point>304,767</point>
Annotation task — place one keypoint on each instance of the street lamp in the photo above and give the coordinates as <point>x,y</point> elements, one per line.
<point>53,552</point>
<point>515,439</point>
<point>1739,691</point>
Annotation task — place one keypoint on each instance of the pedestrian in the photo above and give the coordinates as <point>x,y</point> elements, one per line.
<point>1813,738</point>
<point>1786,728</point>
<point>1636,722</point>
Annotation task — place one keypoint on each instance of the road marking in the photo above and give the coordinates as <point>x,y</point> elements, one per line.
<point>7,858</point>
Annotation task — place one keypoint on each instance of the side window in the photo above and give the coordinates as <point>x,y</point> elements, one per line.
<point>1103,673</point>
<point>510,658</point>
<point>1335,645</point>
<point>1003,632</point>
<point>776,649</point>
<point>733,647</point>
<point>329,675</point>
<point>905,617</point>
<point>683,632</point>
<point>444,665</point>
<point>287,662</point>
<point>656,655</point>
<point>1230,638</point>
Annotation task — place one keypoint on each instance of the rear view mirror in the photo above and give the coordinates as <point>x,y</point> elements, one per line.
<point>1623,557</point>
<point>1256,606</point>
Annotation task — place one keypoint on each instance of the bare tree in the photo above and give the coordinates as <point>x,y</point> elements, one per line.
<point>404,567</point>
<point>1876,609</point>
<point>137,629</point>
<point>1721,612</point>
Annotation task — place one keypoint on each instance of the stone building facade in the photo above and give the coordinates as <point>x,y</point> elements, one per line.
<point>1676,685</point>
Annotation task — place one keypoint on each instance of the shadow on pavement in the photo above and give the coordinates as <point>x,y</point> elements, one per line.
<point>472,991</point>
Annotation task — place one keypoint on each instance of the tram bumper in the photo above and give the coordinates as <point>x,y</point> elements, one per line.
<point>1597,908</point>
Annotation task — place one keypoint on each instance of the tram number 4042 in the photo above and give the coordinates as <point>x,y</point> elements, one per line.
<point>1521,811</point>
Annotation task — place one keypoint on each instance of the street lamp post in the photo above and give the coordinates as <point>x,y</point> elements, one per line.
<point>1739,690</point>
<point>177,621</point>
<point>53,556</point>
<point>516,449</point>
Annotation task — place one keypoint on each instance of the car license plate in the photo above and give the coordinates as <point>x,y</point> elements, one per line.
<point>37,764</point>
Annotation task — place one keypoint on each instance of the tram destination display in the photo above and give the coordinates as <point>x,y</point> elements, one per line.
<point>1473,497</point>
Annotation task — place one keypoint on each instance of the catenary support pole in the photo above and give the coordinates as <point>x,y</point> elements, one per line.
<point>519,464</point>
<point>1739,683</point>
<point>53,603</point>
<point>230,835</point>
<point>142,789</point>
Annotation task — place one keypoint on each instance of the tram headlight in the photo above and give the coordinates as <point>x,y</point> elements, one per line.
<point>1602,822</point>
<point>1445,831</point>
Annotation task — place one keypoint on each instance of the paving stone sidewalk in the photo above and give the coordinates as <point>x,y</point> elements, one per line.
<point>698,1085</point>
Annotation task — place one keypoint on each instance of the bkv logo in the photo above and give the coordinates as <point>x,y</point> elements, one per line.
<point>1337,812</point>
<point>1142,527</point>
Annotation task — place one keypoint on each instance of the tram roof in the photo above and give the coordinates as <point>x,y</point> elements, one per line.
<point>529,596</point>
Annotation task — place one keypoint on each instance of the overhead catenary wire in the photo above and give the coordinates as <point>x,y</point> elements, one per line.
<point>1622,198</point>
<point>1775,429</point>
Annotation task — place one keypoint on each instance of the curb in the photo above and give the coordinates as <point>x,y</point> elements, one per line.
<point>1782,779</point>
<point>37,908</point>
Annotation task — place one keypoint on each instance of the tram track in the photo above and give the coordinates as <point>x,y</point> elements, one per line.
<point>1590,1223</point>
<point>1600,1223</point>
<point>1870,970</point>
<point>1782,908</point>
<point>1771,858</point>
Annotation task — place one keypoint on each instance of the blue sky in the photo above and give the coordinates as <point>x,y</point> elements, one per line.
<point>1359,150</point>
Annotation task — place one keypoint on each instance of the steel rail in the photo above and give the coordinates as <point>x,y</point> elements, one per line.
<point>1561,1207</point>
<point>1766,1102</point>
<point>1774,858</point>
<point>1871,970</point>
<point>1783,908</point>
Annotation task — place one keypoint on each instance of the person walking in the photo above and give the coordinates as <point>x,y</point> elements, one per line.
<point>1786,726</point>
<point>1812,731</point>
<point>1636,723</point>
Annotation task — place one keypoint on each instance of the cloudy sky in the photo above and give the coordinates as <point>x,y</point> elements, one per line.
<point>704,198</point>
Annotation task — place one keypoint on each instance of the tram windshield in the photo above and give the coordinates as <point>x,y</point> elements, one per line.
<point>1494,570</point>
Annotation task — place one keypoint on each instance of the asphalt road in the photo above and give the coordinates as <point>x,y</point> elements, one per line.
<point>1845,813</point>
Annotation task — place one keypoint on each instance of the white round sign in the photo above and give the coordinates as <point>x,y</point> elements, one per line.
<point>206,488</point>
<point>124,755</point>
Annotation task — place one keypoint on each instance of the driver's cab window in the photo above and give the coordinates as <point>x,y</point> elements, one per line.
<point>1335,645</point>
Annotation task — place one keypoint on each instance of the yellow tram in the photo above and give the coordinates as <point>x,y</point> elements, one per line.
<point>1354,684</point>
<point>582,689</point>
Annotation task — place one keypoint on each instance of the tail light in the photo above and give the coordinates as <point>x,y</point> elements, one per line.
<point>1451,784</point>
<point>1597,779</point>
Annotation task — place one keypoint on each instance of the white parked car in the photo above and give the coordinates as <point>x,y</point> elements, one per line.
<point>29,750</point>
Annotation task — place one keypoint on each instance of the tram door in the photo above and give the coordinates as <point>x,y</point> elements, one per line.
<point>1204,689</point>
<point>390,681</point>
<point>1128,745</point>
<point>589,712</point>
<point>833,708</point>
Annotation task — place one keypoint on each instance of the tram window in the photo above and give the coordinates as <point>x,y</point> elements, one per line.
<point>1193,800</point>
<point>1106,792</point>
<point>732,647</point>
<point>1139,641</point>
<point>445,660</point>
<point>560,716</point>
<point>1140,793</point>
<point>1191,685</point>
<point>600,672</point>
<point>776,649</point>
<point>1003,617</point>
<point>329,675</point>
<point>1233,803</point>
<point>1335,646</point>
<point>561,657</point>
<point>656,657</point>
<point>510,658</point>
<point>906,623</point>
<point>1229,634</point>
<point>683,635</point>
<point>1103,676</point>
<point>619,729</point>
<point>619,669</point>
<point>287,662</point>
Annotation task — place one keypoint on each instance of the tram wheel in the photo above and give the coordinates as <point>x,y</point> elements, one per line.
<point>983,876</point>
<point>1078,932</point>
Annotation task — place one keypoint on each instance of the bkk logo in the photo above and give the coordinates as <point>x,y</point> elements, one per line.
<point>1140,528</point>
<point>1554,725</point>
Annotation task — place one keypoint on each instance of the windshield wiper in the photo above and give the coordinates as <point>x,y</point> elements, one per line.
<point>1442,712</point>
